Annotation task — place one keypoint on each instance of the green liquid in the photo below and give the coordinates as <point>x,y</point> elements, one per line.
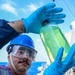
<point>53,39</point>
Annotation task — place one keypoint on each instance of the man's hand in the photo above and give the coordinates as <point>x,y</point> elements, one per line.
<point>49,13</point>
<point>59,67</point>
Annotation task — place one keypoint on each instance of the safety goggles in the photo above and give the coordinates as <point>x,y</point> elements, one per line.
<point>22,52</point>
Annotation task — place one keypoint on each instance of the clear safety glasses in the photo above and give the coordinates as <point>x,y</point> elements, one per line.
<point>22,52</point>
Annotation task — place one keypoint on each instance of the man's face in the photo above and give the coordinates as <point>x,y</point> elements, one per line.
<point>21,64</point>
<point>21,58</point>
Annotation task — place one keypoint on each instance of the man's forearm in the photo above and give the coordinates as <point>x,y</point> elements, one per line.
<point>8,31</point>
<point>18,26</point>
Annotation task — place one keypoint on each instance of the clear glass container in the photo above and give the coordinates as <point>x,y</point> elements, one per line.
<point>53,38</point>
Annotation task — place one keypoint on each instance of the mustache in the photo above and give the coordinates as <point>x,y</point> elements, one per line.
<point>24,61</point>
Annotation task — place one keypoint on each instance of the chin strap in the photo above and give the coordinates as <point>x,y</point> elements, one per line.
<point>14,66</point>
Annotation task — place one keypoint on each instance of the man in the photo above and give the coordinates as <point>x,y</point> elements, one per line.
<point>21,54</point>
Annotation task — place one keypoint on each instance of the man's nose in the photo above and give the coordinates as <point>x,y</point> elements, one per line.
<point>26,56</point>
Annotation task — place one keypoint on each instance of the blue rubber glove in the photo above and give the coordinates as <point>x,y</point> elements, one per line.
<point>49,13</point>
<point>59,67</point>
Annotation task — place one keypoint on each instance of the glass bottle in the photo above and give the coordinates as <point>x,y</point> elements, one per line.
<point>53,38</point>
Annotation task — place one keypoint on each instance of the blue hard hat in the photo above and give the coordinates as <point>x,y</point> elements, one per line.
<point>23,40</point>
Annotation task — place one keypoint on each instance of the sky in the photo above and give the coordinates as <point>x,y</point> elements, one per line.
<point>12,10</point>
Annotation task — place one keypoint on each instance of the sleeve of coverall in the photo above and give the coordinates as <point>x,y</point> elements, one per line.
<point>7,33</point>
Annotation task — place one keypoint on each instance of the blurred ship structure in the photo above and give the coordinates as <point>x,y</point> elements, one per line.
<point>43,67</point>
<point>70,36</point>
